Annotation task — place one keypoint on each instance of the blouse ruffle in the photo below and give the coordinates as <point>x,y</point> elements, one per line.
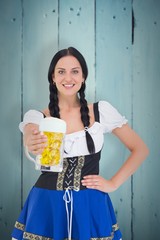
<point>75,143</point>
<point>31,116</point>
<point>110,118</point>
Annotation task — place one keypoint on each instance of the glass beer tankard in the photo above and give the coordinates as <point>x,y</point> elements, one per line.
<point>51,159</point>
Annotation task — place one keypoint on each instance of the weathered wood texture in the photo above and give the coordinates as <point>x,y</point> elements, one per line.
<point>120,41</point>
<point>113,83</point>
<point>10,105</point>
<point>77,29</point>
<point>146,117</point>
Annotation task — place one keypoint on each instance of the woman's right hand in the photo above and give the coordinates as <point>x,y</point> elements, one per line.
<point>34,139</point>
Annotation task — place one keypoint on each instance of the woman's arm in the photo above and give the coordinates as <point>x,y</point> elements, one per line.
<point>138,153</point>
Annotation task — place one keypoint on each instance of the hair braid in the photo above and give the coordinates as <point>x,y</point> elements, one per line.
<point>53,104</point>
<point>85,118</point>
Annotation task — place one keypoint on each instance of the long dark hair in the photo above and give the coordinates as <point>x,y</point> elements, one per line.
<point>53,104</point>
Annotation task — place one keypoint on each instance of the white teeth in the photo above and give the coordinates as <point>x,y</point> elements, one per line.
<point>68,85</point>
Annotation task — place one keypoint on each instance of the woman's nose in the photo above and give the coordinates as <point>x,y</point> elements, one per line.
<point>68,77</point>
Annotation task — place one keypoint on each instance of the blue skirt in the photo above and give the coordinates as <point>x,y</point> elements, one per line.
<point>58,215</point>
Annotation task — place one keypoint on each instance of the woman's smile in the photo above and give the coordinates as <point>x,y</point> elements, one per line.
<point>68,86</point>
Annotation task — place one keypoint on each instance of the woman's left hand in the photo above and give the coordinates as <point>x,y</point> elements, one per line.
<point>99,183</point>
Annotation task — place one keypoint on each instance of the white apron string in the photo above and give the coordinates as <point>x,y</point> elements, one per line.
<point>68,198</point>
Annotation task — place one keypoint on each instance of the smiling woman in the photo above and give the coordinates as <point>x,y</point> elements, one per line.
<point>75,204</point>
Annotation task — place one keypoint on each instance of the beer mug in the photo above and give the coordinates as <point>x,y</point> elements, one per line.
<point>51,159</point>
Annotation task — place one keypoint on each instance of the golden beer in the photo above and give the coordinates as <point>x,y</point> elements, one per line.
<point>52,153</point>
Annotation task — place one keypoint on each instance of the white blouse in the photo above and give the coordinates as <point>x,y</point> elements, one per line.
<point>75,143</point>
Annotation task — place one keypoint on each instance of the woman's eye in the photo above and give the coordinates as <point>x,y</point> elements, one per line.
<point>75,71</point>
<point>61,72</point>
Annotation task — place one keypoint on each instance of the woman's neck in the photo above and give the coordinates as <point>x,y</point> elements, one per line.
<point>68,102</point>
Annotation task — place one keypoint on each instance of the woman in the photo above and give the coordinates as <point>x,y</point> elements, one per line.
<point>75,204</point>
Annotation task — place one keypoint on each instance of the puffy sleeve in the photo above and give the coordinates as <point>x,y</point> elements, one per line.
<point>32,116</point>
<point>110,118</point>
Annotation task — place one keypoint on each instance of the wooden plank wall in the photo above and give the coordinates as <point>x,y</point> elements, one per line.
<point>120,41</point>
<point>146,117</point>
<point>10,105</point>
<point>113,72</point>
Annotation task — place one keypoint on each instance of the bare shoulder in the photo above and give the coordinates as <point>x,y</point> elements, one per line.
<point>90,106</point>
<point>91,113</point>
<point>46,112</point>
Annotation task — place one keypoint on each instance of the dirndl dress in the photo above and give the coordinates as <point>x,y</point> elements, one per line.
<point>59,207</point>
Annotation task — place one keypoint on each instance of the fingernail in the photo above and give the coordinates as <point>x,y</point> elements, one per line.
<point>35,131</point>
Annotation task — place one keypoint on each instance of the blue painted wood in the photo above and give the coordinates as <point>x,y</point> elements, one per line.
<point>10,105</point>
<point>77,29</point>
<point>146,115</point>
<point>113,84</point>
<point>40,42</point>
<point>124,74</point>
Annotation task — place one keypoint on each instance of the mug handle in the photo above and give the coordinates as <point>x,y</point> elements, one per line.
<point>31,158</point>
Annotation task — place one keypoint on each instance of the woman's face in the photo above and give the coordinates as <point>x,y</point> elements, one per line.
<point>68,76</point>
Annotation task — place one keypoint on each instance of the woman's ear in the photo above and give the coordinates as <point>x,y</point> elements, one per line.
<point>53,79</point>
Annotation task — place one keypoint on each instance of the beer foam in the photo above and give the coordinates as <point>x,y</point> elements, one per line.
<point>52,124</point>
